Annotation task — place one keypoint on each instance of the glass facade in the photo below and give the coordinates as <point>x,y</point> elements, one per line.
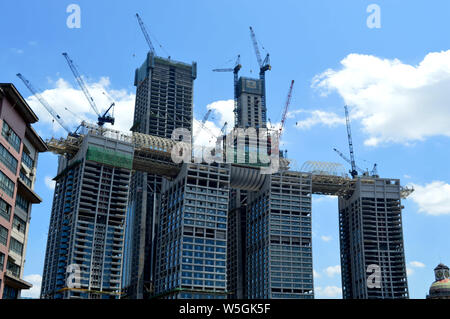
<point>191,249</point>
<point>279,252</point>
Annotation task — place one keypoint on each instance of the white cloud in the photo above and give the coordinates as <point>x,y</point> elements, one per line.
<point>316,274</point>
<point>316,117</point>
<point>331,271</point>
<point>409,271</point>
<point>49,182</point>
<point>33,292</point>
<point>64,96</point>
<point>396,102</point>
<point>206,135</point>
<point>417,264</point>
<point>432,198</point>
<point>326,238</point>
<point>329,292</point>
<point>225,111</point>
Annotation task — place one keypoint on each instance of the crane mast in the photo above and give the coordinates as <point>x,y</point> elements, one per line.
<point>263,67</point>
<point>235,70</point>
<point>354,171</point>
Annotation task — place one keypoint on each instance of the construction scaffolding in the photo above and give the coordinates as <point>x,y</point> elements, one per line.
<point>153,154</point>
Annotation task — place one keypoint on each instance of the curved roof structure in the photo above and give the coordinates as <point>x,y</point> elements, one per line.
<point>324,168</point>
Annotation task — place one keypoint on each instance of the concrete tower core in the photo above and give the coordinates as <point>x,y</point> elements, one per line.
<point>249,112</point>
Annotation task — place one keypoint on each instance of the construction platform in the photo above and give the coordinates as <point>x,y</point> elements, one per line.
<point>153,155</point>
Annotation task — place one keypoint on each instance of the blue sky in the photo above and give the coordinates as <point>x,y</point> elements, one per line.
<point>393,78</point>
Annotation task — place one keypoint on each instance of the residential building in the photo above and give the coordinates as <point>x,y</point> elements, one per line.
<point>20,146</point>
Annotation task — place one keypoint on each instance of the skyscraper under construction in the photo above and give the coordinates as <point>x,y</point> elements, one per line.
<point>371,241</point>
<point>85,246</point>
<point>164,102</point>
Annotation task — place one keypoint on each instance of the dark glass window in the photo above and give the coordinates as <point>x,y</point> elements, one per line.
<point>3,235</point>
<point>12,138</point>
<point>16,246</point>
<point>6,184</point>
<point>25,179</point>
<point>7,159</point>
<point>22,203</point>
<point>5,209</point>
<point>13,268</point>
<point>19,224</point>
<point>27,160</point>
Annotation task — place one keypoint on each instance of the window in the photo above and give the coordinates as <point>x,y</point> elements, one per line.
<point>9,292</point>
<point>13,268</point>
<point>6,184</point>
<point>3,235</point>
<point>15,246</point>
<point>19,224</point>
<point>27,160</point>
<point>22,203</point>
<point>7,159</point>
<point>12,138</point>
<point>25,179</point>
<point>5,209</point>
<point>2,261</point>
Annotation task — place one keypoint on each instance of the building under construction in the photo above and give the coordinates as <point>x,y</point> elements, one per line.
<point>85,246</point>
<point>371,238</point>
<point>197,230</point>
<point>164,102</point>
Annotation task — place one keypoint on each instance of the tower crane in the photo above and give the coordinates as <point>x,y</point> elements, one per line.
<point>144,31</point>
<point>205,118</point>
<point>102,119</point>
<point>283,117</point>
<point>286,107</point>
<point>353,172</point>
<point>45,104</point>
<point>264,65</point>
<point>235,71</point>
<point>224,128</point>
<point>354,169</point>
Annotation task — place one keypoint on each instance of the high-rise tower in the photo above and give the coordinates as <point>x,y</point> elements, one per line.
<point>371,241</point>
<point>192,237</point>
<point>249,111</point>
<point>85,246</point>
<point>164,102</point>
